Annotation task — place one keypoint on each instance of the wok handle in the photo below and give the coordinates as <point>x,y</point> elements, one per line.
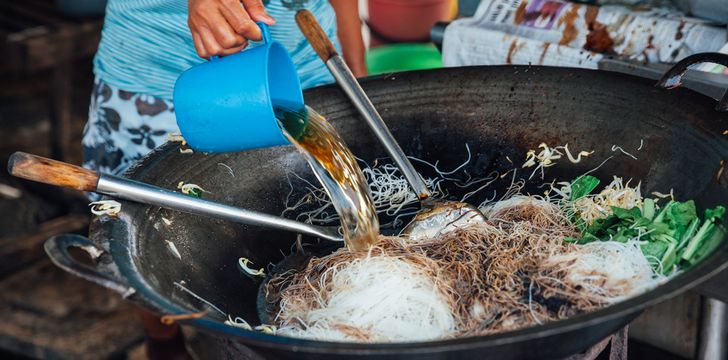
<point>673,77</point>
<point>315,35</point>
<point>52,172</point>
<point>57,250</point>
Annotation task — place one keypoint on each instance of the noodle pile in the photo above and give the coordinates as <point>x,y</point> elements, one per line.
<point>512,271</point>
<point>387,292</point>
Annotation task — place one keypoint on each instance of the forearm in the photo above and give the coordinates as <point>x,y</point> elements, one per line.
<point>349,32</point>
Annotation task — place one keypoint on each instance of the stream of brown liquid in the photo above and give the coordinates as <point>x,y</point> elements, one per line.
<point>336,169</point>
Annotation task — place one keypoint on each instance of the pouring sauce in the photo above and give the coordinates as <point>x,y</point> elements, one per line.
<point>335,167</point>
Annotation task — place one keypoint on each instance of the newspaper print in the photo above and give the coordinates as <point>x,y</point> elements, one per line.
<point>653,36</point>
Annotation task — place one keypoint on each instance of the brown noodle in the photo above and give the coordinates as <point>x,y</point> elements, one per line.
<point>494,275</point>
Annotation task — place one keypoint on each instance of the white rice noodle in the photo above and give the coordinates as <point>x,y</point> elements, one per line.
<point>390,190</point>
<point>609,270</point>
<point>391,193</point>
<point>385,299</point>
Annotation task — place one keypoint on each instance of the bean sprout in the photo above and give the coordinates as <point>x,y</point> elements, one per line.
<point>238,322</point>
<point>548,156</point>
<point>617,147</point>
<point>243,262</point>
<point>105,207</point>
<point>190,189</point>
<point>268,329</point>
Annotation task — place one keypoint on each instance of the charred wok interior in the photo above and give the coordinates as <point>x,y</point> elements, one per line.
<point>500,112</point>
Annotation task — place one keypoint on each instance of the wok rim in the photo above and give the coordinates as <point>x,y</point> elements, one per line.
<point>121,255</point>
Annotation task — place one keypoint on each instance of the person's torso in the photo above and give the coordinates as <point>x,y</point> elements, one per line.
<point>146,44</point>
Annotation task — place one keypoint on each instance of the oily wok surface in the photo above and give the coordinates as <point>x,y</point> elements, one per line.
<point>499,112</point>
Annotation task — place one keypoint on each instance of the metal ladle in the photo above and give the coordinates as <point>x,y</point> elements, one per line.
<point>53,172</point>
<point>436,215</point>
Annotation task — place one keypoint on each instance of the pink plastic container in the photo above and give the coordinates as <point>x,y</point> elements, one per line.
<point>406,20</point>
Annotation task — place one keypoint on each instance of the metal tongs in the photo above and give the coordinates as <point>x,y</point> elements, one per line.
<point>436,215</point>
<point>52,172</point>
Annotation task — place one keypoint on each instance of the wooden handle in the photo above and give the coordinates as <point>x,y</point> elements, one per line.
<point>315,35</point>
<point>48,171</point>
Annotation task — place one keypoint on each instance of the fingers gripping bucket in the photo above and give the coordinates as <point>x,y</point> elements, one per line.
<point>226,104</point>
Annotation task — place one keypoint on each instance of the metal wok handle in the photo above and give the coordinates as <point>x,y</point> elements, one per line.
<point>673,77</point>
<point>49,171</point>
<point>327,52</point>
<point>57,250</point>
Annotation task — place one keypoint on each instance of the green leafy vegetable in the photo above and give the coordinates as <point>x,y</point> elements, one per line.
<point>648,208</point>
<point>627,214</point>
<point>583,186</point>
<point>671,236</point>
<point>709,245</point>
<point>669,258</point>
<point>689,233</point>
<point>704,236</point>
<point>715,214</point>
<point>682,213</point>
<point>195,193</point>
<point>654,250</point>
<point>661,215</point>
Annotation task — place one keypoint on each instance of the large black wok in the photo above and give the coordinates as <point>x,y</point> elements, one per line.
<point>499,111</point>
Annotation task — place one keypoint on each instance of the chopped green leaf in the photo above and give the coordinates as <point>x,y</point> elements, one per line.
<point>681,213</point>
<point>654,251</point>
<point>669,259</point>
<point>709,245</point>
<point>601,227</point>
<point>656,228</point>
<point>627,214</point>
<point>648,208</point>
<point>661,215</point>
<point>713,217</point>
<point>689,233</point>
<point>705,231</point>
<point>622,236</point>
<point>583,186</point>
<point>715,214</point>
<point>670,236</point>
<point>195,193</point>
<point>641,222</point>
<point>666,238</point>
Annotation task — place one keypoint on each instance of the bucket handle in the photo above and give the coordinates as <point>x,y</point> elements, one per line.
<point>673,77</point>
<point>264,34</point>
<point>57,250</point>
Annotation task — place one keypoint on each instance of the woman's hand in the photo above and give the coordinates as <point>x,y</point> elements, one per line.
<point>222,27</point>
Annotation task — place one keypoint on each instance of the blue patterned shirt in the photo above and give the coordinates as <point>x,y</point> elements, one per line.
<point>146,44</point>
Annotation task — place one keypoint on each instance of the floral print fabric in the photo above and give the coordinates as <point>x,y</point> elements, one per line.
<point>122,127</point>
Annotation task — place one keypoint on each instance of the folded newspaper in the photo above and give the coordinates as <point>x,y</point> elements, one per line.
<point>557,32</point>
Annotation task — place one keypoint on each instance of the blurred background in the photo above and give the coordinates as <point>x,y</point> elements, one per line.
<point>46,76</point>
